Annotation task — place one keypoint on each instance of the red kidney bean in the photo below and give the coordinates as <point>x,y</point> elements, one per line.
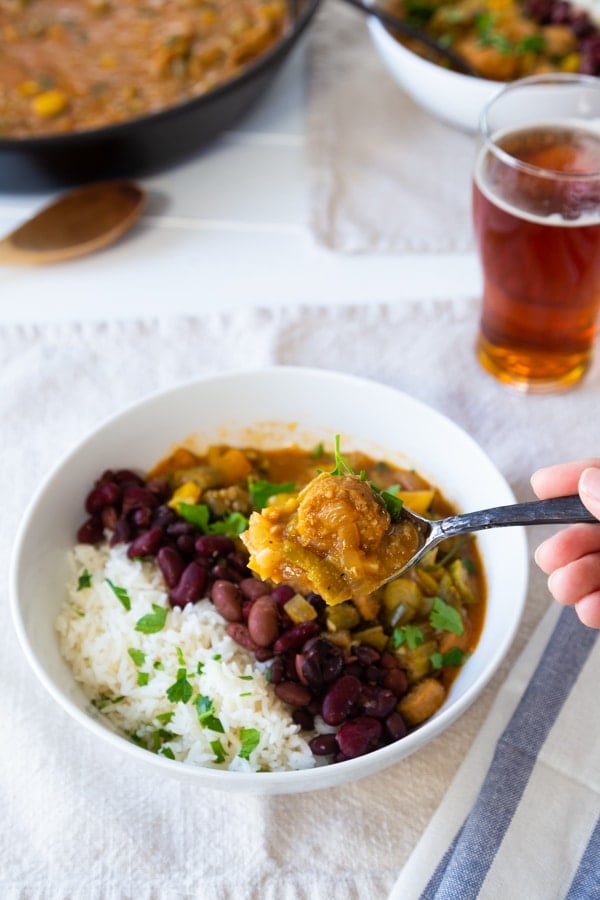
<point>240,633</point>
<point>320,663</point>
<point>296,636</point>
<point>263,621</point>
<point>110,517</point>
<point>91,532</point>
<point>282,593</point>
<point>277,670</point>
<point>304,718</point>
<point>136,497</point>
<point>175,529</point>
<point>126,475</point>
<point>159,487</point>
<point>374,674</point>
<point>185,544</point>
<point>191,585</point>
<point>122,532</point>
<point>226,598</point>
<point>263,654</point>
<point>341,700</point>
<point>106,494</point>
<point>323,744</point>
<point>214,545</point>
<point>293,693</point>
<point>171,565</point>
<point>253,588</point>
<point>395,680</point>
<point>141,517</point>
<point>395,726</point>
<point>359,736</point>
<point>164,516</point>
<point>376,701</point>
<point>239,562</point>
<point>389,661</point>
<point>146,544</point>
<point>365,655</point>
<point>222,570</point>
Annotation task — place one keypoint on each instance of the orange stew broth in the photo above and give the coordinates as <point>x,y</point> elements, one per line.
<point>299,466</point>
<point>83,64</point>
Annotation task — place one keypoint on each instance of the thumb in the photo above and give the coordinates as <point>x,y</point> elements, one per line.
<point>589,490</point>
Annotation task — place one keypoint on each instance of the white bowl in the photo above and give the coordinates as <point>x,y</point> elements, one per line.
<point>302,406</point>
<point>454,98</point>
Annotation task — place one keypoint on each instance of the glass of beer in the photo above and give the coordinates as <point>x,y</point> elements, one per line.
<point>536,212</point>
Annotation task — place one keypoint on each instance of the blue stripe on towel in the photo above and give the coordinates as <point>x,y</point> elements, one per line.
<point>462,871</point>
<point>586,884</point>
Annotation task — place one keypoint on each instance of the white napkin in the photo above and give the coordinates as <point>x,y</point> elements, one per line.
<point>81,822</point>
<point>384,175</point>
<point>524,807</point>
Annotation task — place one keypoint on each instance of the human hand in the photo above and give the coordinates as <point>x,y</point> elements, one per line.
<point>571,557</point>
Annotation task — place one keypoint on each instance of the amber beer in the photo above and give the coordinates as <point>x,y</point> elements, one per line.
<point>537,228</point>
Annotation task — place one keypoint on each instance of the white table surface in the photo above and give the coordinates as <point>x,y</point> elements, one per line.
<point>226,229</point>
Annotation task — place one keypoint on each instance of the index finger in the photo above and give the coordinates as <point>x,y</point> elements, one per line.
<point>562,479</point>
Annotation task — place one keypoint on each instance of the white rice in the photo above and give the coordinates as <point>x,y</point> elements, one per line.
<point>96,633</point>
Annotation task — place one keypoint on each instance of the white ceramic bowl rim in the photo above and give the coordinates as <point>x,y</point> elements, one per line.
<point>267,782</point>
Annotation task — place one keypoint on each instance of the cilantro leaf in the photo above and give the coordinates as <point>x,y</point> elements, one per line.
<point>84,580</point>
<point>120,593</point>
<point>217,748</point>
<point>250,738</point>
<point>154,621</point>
<point>409,634</point>
<point>206,714</point>
<point>342,466</point>
<point>261,491</point>
<point>198,514</point>
<point>181,690</point>
<point>138,656</point>
<point>445,617</point>
<point>454,657</point>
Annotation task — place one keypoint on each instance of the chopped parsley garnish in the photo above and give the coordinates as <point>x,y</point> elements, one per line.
<point>250,738</point>
<point>138,656</point>
<point>180,657</point>
<point>217,657</point>
<point>246,677</point>
<point>142,678</point>
<point>206,714</point>
<point>199,668</point>
<point>165,718</point>
<point>445,618</point>
<point>166,751</point>
<point>120,593</point>
<point>181,690</point>
<point>411,635</point>
<point>198,514</point>
<point>262,491</point>
<point>342,466</point>
<point>454,657</point>
<point>246,694</point>
<point>84,580</point>
<point>217,748</point>
<point>152,622</point>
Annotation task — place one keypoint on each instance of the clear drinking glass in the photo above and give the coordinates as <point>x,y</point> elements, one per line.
<point>536,212</point>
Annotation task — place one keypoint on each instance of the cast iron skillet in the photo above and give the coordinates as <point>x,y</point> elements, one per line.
<point>147,144</point>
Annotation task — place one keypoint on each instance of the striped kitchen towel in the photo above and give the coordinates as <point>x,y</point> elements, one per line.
<point>521,819</point>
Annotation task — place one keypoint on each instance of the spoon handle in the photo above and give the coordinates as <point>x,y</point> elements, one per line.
<point>556,511</point>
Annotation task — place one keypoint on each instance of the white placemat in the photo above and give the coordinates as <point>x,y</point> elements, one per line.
<point>384,176</point>
<point>82,823</point>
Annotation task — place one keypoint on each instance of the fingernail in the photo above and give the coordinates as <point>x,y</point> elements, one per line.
<point>589,483</point>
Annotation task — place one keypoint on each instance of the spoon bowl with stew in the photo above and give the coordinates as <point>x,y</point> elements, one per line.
<point>431,532</point>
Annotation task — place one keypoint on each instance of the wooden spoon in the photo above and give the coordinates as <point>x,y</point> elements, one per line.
<point>79,222</point>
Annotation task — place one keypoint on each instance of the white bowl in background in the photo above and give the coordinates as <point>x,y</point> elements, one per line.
<point>454,98</point>
<point>294,405</point>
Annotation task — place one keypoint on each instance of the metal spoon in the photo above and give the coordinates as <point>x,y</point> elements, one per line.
<point>79,222</point>
<point>558,511</point>
<point>402,27</point>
